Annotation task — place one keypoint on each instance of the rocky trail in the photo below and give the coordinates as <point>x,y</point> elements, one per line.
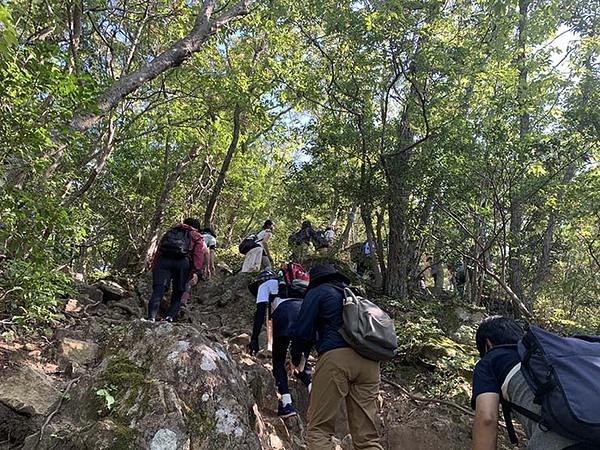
<point>103,379</point>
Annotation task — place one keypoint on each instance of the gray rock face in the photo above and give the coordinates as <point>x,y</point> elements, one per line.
<point>28,392</point>
<point>159,386</point>
<point>26,396</point>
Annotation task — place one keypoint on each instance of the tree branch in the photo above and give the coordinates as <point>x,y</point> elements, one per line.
<point>179,52</point>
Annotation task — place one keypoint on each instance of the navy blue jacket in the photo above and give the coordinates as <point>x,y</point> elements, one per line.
<point>284,317</point>
<point>320,317</point>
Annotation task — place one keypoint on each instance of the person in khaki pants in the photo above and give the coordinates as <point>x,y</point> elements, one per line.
<point>341,374</point>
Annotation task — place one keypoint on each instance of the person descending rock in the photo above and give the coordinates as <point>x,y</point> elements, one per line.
<point>178,259</point>
<point>274,297</point>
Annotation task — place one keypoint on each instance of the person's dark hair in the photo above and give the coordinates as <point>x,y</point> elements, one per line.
<point>194,223</point>
<point>306,224</point>
<point>499,330</point>
<point>268,224</point>
<point>210,231</point>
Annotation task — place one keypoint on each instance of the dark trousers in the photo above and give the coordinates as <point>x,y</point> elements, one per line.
<point>279,355</point>
<point>166,271</point>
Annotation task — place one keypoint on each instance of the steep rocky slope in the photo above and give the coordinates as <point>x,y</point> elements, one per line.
<point>106,380</point>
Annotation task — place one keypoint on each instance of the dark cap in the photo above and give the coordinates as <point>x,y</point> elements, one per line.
<point>322,273</point>
<point>263,276</point>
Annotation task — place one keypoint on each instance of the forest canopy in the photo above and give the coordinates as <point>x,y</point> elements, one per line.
<point>451,136</point>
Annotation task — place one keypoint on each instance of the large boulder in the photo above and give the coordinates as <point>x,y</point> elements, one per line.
<point>158,386</point>
<point>26,397</point>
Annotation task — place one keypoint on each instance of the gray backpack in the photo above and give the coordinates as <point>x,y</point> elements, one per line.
<point>564,376</point>
<point>367,328</point>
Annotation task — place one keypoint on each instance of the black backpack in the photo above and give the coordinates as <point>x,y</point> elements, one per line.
<point>320,240</point>
<point>176,243</point>
<point>564,376</point>
<point>249,243</point>
<point>299,237</point>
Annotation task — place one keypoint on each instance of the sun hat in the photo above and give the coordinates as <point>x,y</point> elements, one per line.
<point>322,273</point>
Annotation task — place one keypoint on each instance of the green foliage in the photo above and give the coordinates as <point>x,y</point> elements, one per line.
<point>31,292</point>
<point>424,328</point>
<point>8,37</point>
<point>108,399</point>
<point>332,102</point>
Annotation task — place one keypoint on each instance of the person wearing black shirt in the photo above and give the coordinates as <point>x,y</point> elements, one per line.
<point>497,375</point>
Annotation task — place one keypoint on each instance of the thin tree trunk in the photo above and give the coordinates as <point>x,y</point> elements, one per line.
<point>516,217</point>
<point>366,210</point>
<point>212,202</point>
<point>100,164</point>
<point>543,268</point>
<point>381,253</point>
<point>438,266</point>
<point>151,240</point>
<point>345,236</point>
<point>334,208</point>
<point>374,246</point>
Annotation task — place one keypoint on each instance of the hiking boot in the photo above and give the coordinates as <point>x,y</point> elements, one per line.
<point>285,411</point>
<point>169,319</point>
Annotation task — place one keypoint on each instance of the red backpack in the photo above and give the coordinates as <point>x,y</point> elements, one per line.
<point>295,278</point>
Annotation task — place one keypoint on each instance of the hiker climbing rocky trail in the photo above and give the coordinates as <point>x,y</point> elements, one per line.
<point>104,379</point>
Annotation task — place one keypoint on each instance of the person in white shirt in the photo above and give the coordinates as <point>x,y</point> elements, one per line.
<point>260,256</point>
<point>270,292</point>
<point>210,239</point>
<point>329,234</point>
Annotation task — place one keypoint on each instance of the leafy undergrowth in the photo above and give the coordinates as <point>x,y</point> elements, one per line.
<point>436,347</point>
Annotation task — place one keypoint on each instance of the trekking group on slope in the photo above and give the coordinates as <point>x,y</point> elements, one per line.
<point>258,255</point>
<point>550,383</point>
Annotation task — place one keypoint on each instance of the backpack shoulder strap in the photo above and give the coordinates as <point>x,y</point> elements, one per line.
<point>507,408</point>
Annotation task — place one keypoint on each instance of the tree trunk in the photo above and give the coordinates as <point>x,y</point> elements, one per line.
<point>543,267</point>
<point>381,253</point>
<point>96,171</point>
<point>438,265</point>
<point>398,260</point>
<point>516,217</point>
<point>374,246</point>
<point>366,209</point>
<point>212,202</point>
<point>345,237</point>
<point>151,240</point>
